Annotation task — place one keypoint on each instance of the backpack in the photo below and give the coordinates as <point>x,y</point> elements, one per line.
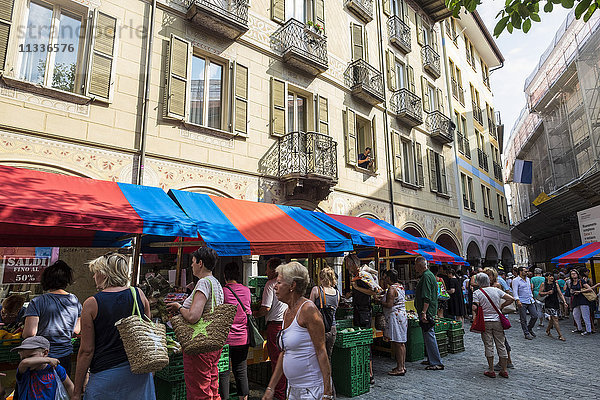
<point>327,312</point>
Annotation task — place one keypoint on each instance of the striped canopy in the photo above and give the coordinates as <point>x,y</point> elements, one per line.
<point>581,254</point>
<point>439,254</point>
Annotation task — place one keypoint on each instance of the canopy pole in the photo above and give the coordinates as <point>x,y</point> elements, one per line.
<point>387,259</point>
<point>593,270</point>
<point>377,259</point>
<point>178,266</point>
<point>137,250</point>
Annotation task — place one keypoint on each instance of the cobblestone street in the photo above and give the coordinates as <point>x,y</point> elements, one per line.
<point>545,368</point>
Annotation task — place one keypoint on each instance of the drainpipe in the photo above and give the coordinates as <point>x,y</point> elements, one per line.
<point>388,146</point>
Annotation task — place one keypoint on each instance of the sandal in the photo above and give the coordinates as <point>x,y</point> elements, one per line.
<point>435,368</point>
<point>397,372</point>
<point>490,374</point>
<point>562,338</point>
<point>503,374</point>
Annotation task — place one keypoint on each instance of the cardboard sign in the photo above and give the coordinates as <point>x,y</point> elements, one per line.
<point>27,269</point>
<point>589,224</point>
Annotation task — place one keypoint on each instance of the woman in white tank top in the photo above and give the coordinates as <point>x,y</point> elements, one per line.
<point>302,340</point>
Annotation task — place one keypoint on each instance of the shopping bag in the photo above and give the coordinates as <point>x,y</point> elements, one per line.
<point>61,392</point>
<point>478,324</point>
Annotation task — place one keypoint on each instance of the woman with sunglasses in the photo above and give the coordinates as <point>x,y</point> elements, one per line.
<point>302,339</point>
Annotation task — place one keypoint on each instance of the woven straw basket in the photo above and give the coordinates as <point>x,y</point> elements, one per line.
<point>145,342</point>
<point>215,321</point>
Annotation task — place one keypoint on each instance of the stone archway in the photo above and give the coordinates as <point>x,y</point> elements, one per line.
<point>414,230</point>
<point>447,242</point>
<point>491,256</point>
<point>473,254</point>
<point>508,259</point>
<point>206,190</point>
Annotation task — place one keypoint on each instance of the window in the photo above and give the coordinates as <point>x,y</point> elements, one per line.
<point>501,211</point>
<point>408,161</point>
<point>471,193</point>
<point>467,192</point>
<point>425,33</point>
<point>437,173</point>
<point>467,146</point>
<point>460,141</point>
<point>400,75</point>
<point>301,10</point>
<point>483,196</point>
<point>398,8</point>
<point>485,73</point>
<point>487,202</point>
<point>358,37</point>
<point>297,112</point>
<point>360,141</point>
<point>206,95</point>
<point>470,50</point>
<point>432,97</point>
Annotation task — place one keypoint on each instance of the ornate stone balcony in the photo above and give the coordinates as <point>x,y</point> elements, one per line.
<point>302,46</point>
<point>365,81</point>
<point>440,127</point>
<point>226,17</point>
<point>407,107</point>
<point>431,61</point>
<point>399,33</point>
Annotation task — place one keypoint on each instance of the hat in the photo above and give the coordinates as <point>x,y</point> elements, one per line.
<point>34,342</point>
<point>510,275</point>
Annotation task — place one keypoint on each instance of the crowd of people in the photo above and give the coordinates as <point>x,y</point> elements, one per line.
<point>300,321</point>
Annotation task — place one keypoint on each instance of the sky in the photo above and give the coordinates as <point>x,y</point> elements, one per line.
<point>521,53</point>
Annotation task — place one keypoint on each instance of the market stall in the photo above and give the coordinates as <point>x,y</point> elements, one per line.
<point>584,254</point>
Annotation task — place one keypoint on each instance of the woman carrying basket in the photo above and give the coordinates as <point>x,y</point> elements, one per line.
<point>101,349</point>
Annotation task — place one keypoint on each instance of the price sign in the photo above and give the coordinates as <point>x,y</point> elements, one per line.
<point>23,269</point>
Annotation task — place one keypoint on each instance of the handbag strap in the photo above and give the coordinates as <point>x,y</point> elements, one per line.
<point>491,302</point>
<point>237,298</point>
<point>322,297</point>
<point>136,309</point>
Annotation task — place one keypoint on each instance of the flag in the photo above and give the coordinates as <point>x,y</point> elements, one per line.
<point>523,171</point>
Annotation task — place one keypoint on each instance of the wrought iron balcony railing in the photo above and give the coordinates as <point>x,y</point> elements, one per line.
<point>362,8</point>
<point>365,81</point>
<point>227,17</point>
<point>458,91</point>
<point>301,46</point>
<point>497,171</point>
<point>460,142</point>
<point>407,107</point>
<point>483,160</point>
<point>477,113</point>
<point>467,147</point>
<point>431,61</point>
<point>492,127</point>
<point>399,33</point>
<point>440,127</point>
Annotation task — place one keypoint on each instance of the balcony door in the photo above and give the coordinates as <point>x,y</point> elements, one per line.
<point>297,112</point>
<point>296,9</point>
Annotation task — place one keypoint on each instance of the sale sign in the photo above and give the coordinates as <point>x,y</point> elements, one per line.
<point>26,269</point>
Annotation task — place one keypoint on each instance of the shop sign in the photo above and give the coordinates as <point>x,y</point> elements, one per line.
<point>17,269</point>
<point>589,225</point>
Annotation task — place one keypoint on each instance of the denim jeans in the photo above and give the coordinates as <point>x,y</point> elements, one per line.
<point>431,347</point>
<point>528,327</point>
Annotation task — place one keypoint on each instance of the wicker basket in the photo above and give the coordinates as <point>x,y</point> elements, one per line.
<point>145,342</point>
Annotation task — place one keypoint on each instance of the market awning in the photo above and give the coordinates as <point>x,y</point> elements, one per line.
<point>372,232</point>
<point>581,254</point>
<point>238,227</point>
<point>46,209</point>
<point>439,254</point>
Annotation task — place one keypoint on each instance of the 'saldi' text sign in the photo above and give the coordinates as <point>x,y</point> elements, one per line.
<point>23,269</point>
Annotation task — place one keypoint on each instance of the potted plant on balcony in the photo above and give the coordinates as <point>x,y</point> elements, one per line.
<point>314,29</point>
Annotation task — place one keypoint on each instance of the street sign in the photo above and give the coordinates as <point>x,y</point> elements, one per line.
<point>25,269</point>
<point>589,225</point>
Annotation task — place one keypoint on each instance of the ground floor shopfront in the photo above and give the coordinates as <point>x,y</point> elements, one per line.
<point>485,244</point>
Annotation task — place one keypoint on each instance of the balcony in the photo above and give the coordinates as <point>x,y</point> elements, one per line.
<point>305,162</point>
<point>362,8</point>
<point>497,171</point>
<point>301,46</point>
<point>492,127</point>
<point>226,17</point>
<point>458,92</point>
<point>399,33</point>
<point>483,160</point>
<point>467,147</point>
<point>407,107</point>
<point>365,82</point>
<point>440,127</point>
<point>477,113</point>
<point>431,61</point>
<point>460,142</point>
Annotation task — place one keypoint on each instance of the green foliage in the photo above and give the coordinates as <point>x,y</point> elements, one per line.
<point>520,14</point>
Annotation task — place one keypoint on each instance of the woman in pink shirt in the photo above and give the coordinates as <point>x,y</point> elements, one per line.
<point>237,294</point>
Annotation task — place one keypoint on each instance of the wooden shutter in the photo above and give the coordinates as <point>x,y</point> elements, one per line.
<point>425,93</point>
<point>391,69</point>
<point>350,136</point>
<point>240,85</point>
<point>397,147</point>
<point>440,100</point>
<point>278,10</point>
<point>374,145</point>
<point>433,185</point>
<point>177,78</point>
<point>6,13</point>
<point>320,12</point>
<point>366,45</point>
<point>419,166</point>
<point>443,180</point>
<point>323,104</point>
<point>434,39</point>
<point>277,107</point>
<point>101,65</point>
<point>357,42</point>
<point>419,23</point>
<point>404,15</point>
<point>387,7</point>
<point>410,79</point>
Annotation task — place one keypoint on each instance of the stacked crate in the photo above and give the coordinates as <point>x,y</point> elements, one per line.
<point>441,336</point>
<point>456,334</point>
<point>350,362</point>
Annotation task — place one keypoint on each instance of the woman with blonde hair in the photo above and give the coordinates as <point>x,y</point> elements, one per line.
<point>303,359</point>
<point>327,297</point>
<point>101,349</point>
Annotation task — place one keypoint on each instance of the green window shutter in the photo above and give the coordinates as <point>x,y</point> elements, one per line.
<point>357,42</point>
<point>410,78</point>
<point>419,166</point>
<point>323,115</point>
<point>433,185</point>
<point>397,146</point>
<point>440,100</point>
<point>419,23</point>
<point>391,70</point>
<point>320,12</point>
<point>240,85</point>
<point>277,107</point>
<point>177,78</point>
<point>100,82</point>
<point>443,180</point>
<point>425,93</point>
<point>350,135</point>
<point>278,10</point>
<point>6,14</point>
<point>387,7</point>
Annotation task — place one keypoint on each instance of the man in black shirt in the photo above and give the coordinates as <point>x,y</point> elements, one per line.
<point>364,159</point>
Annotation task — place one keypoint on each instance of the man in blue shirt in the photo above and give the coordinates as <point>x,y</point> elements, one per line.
<point>521,288</point>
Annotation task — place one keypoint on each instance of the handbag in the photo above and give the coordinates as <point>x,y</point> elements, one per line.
<point>478,325</point>
<point>254,337</point>
<point>591,296</point>
<point>327,312</point>
<point>503,320</point>
<point>144,341</point>
<point>210,332</point>
<point>442,293</point>
<point>61,392</point>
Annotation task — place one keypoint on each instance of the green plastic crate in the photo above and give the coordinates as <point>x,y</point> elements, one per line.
<point>441,337</point>
<point>344,313</point>
<point>456,333</point>
<point>351,385</point>
<point>357,338</point>
<point>174,371</point>
<point>453,325</point>
<point>443,349</point>
<point>257,281</point>
<point>166,390</point>
<point>456,347</point>
<point>441,326</point>
<point>351,360</point>
<point>343,324</point>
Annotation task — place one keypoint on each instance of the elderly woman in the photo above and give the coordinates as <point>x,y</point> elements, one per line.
<point>486,298</point>
<point>396,322</point>
<point>55,315</point>
<point>101,349</point>
<point>493,275</point>
<point>201,371</point>
<point>302,339</point>
<point>327,298</point>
